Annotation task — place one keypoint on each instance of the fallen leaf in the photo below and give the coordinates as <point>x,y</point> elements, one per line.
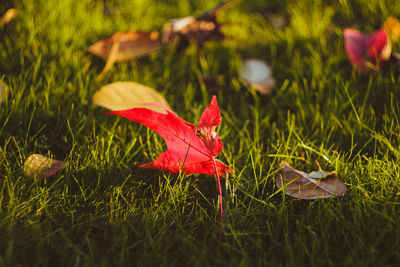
<point>317,184</point>
<point>188,150</point>
<point>198,28</point>
<point>126,95</point>
<point>8,16</point>
<point>191,149</point>
<point>392,27</point>
<point>367,51</point>
<point>3,92</point>
<point>258,74</point>
<point>131,44</point>
<point>125,45</point>
<point>39,166</point>
<point>276,20</point>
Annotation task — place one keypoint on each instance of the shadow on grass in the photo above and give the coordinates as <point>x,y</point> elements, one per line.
<point>109,217</point>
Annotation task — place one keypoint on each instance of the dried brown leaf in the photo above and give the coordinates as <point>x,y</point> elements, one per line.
<point>198,28</point>
<point>39,166</point>
<point>276,20</point>
<point>3,92</point>
<point>299,184</point>
<point>125,45</point>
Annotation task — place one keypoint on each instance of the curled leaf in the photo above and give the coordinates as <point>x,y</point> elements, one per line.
<point>258,74</point>
<point>127,95</point>
<point>198,28</point>
<point>8,16</point>
<point>125,45</point>
<point>367,51</point>
<point>318,184</point>
<point>39,166</point>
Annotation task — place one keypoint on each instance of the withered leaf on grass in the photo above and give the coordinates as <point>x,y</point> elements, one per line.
<point>198,28</point>
<point>277,21</point>
<point>125,45</point>
<point>8,16</point>
<point>39,166</point>
<point>3,91</point>
<point>127,95</point>
<point>258,74</point>
<point>317,184</point>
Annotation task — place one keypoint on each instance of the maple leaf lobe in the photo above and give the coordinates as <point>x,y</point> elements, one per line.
<point>209,121</point>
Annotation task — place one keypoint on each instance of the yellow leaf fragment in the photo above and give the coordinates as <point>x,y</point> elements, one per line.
<point>8,16</point>
<point>127,95</point>
<point>392,27</point>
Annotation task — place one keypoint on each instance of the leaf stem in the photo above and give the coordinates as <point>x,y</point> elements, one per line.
<point>220,199</point>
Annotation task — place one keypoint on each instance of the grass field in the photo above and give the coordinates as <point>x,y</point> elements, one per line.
<point>104,211</point>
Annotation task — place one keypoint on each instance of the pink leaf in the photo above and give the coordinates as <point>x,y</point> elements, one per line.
<point>367,50</point>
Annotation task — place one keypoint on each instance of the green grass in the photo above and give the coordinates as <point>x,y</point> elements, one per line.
<point>104,211</point>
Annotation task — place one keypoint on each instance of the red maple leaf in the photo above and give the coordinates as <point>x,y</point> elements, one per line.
<point>190,149</point>
<point>367,51</point>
